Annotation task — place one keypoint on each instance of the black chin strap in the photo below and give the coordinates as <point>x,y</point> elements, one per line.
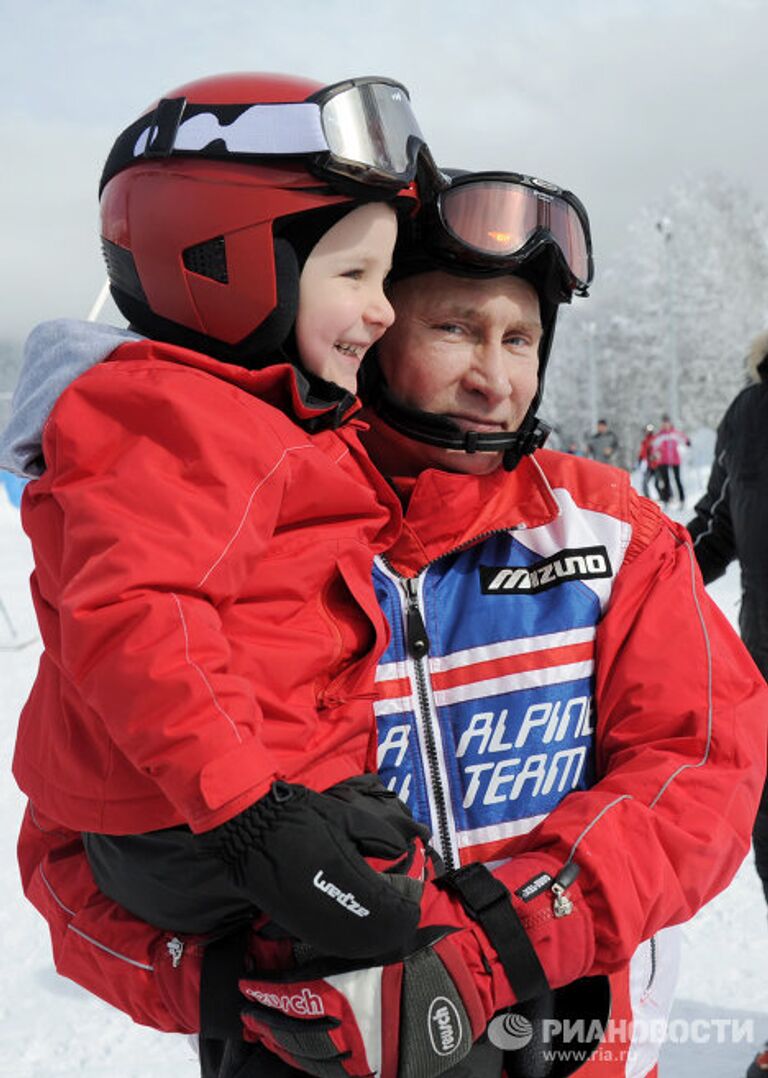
<point>531,435</point>
<point>441,431</point>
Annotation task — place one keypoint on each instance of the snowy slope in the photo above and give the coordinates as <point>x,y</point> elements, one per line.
<point>49,1028</point>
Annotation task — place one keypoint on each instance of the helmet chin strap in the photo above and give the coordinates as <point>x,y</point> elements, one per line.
<point>442,431</point>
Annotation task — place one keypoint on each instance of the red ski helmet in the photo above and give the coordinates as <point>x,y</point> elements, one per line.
<point>200,195</point>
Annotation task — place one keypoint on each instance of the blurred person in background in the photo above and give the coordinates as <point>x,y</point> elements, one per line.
<point>665,447</point>
<point>646,458</point>
<point>603,445</point>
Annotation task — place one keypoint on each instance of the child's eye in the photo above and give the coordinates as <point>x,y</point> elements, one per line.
<point>353,274</point>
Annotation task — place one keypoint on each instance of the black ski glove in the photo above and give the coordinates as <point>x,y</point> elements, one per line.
<point>300,857</point>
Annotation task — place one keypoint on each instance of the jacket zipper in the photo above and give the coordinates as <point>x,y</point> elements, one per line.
<point>417,642</point>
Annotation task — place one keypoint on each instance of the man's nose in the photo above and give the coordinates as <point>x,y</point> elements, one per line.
<point>489,373</point>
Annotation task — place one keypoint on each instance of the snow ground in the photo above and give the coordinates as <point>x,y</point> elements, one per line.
<point>50,1028</point>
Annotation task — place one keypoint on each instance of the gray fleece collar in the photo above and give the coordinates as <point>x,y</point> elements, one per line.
<point>55,354</point>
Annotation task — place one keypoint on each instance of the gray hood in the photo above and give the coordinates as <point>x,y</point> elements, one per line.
<point>56,353</point>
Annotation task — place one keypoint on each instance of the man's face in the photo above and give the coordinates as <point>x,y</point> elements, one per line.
<point>465,348</point>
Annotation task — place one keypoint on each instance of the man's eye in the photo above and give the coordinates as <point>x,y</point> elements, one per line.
<point>516,340</point>
<point>451,328</point>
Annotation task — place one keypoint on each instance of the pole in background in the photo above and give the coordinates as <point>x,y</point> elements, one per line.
<point>592,371</point>
<point>664,226</point>
<point>98,304</point>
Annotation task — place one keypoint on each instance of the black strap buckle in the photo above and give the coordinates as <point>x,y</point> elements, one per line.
<point>487,901</point>
<point>478,889</point>
<point>165,123</point>
<point>539,434</point>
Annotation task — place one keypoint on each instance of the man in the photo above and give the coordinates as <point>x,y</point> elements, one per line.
<point>731,523</point>
<point>603,445</point>
<point>516,712</point>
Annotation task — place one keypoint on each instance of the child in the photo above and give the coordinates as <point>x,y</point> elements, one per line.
<point>205,519</point>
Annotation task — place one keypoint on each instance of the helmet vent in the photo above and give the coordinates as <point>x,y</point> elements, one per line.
<point>208,259</point>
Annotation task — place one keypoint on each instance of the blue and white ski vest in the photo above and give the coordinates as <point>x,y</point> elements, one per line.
<point>485,710</point>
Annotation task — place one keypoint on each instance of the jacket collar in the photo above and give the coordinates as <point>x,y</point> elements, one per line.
<point>448,510</point>
<point>311,402</point>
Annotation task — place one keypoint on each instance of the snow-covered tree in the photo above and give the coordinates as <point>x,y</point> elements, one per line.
<point>670,319</point>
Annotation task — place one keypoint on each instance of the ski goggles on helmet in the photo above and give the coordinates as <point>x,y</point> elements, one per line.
<point>495,220</point>
<point>361,129</point>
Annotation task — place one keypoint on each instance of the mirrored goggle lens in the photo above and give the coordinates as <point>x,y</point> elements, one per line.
<point>498,219</point>
<point>372,125</point>
<point>567,229</point>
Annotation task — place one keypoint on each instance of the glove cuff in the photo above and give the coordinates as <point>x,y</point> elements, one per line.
<point>234,839</point>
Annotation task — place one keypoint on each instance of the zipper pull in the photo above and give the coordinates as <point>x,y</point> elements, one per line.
<point>175,949</point>
<point>561,904</point>
<point>415,629</point>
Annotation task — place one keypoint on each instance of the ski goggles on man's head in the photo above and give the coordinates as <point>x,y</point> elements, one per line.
<point>496,219</point>
<point>361,129</point>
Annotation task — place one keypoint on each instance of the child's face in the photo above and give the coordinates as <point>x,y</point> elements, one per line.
<point>342,306</point>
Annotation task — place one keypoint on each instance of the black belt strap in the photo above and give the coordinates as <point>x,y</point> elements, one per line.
<point>488,902</point>
<point>220,998</point>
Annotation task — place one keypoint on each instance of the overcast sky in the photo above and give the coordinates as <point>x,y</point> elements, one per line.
<point>616,99</point>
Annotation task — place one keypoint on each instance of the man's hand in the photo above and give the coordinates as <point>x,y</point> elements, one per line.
<point>411,1016</point>
<point>309,861</point>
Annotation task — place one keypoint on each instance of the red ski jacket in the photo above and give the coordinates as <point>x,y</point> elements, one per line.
<point>678,736</point>
<point>665,445</point>
<point>202,585</point>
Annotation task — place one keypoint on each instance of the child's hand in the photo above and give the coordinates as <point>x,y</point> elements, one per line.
<point>301,856</point>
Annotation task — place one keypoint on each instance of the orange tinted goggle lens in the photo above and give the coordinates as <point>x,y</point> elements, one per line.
<point>568,232</point>
<point>496,218</point>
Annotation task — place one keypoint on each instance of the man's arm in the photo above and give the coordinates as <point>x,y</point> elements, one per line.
<point>681,740</point>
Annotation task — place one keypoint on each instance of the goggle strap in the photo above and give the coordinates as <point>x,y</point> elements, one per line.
<point>161,133</point>
<point>281,129</point>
